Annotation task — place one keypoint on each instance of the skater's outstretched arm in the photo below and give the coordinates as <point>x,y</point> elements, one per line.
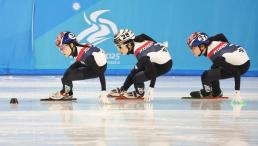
<point>152,82</point>
<point>102,81</point>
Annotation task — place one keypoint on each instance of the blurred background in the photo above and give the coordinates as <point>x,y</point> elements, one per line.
<point>29,27</point>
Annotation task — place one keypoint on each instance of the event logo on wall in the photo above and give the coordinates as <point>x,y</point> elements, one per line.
<point>100,30</point>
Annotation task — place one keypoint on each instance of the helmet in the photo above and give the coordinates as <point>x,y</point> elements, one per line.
<point>123,35</point>
<point>197,38</point>
<point>65,38</point>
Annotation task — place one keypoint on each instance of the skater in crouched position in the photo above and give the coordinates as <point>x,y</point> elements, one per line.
<point>153,60</point>
<point>90,63</point>
<point>229,60</point>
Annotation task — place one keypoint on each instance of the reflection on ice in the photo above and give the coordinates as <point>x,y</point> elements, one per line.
<point>166,121</point>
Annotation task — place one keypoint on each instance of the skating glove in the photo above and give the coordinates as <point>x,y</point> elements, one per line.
<point>148,96</point>
<point>103,98</point>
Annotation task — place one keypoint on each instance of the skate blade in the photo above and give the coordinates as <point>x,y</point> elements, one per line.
<point>207,97</point>
<point>126,98</point>
<point>50,99</point>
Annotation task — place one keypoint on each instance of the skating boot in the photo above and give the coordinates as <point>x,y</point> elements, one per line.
<point>204,95</point>
<point>200,94</point>
<point>116,92</point>
<point>132,95</point>
<point>58,96</point>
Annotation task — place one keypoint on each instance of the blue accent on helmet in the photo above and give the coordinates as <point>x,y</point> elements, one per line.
<point>198,38</point>
<point>68,38</point>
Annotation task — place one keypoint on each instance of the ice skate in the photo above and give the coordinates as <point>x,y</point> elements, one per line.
<point>130,96</point>
<point>204,95</point>
<point>59,97</point>
<point>103,98</point>
<point>116,92</point>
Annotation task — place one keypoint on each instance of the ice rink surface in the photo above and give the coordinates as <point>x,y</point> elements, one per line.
<point>166,121</point>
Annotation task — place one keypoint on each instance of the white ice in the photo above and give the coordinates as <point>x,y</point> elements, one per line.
<point>166,121</point>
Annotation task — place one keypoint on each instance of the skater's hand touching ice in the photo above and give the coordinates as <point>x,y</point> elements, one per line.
<point>237,97</point>
<point>148,96</point>
<point>103,98</point>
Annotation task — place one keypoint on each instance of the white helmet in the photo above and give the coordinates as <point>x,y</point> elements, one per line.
<point>123,35</point>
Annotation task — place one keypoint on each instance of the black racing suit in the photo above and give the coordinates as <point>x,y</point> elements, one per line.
<point>229,60</point>
<point>85,67</point>
<point>147,68</point>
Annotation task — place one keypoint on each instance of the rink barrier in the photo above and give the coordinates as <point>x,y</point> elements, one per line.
<point>111,72</point>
